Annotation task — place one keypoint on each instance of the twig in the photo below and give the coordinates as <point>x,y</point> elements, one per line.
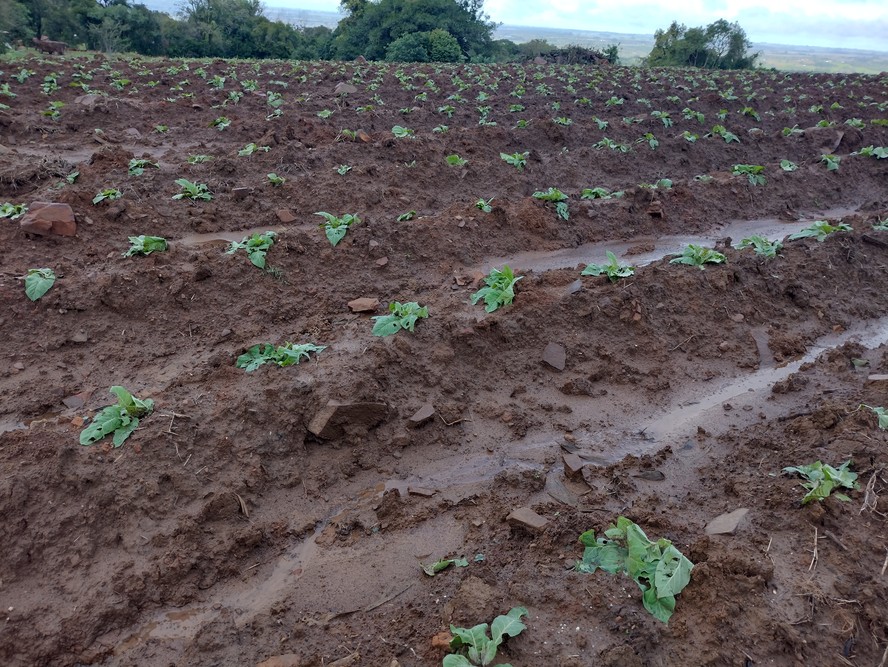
<point>770,539</point>
<point>884,658</point>
<point>870,497</point>
<point>884,565</point>
<point>814,557</point>
<point>387,599</point>
<point>835,539</point>
<point>683,342</point>
<point>461,419</point>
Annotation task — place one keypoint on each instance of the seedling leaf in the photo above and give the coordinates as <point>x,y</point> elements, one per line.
<point>38,282</point>
<point>500,290</point>
<point>401,316</point>
<point>823,478</point>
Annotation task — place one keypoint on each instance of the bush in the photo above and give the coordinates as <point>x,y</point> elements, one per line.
<point>443,47</point>
<point>409,48</point>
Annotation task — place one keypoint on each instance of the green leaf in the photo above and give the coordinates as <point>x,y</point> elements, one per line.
<point>38,282</point>
<point>104,423</point>
<point>661,608</point>
<point>509,625</point>
<point>673,573</point>
<point>472,637</point>
<point>456,660</point>
<point>125,430</point>
<point>402,316</point>
<point>439,566</point>
<point>145,245</point>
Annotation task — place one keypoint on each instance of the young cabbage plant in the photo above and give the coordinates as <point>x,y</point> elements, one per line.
<point>612,269</point>
<point>557,197</point>
<point>820,230</point>
<point>256,247</point>
<point>762,246</point>
<point>145,245</point>
<point>38,282</point>
<point>121,419</point>
<point>517,160</point>
<point>401,316</point>
<point>192,191</point>
<point>336,227</point>
<point>499,290</point>
<point>695,255</point>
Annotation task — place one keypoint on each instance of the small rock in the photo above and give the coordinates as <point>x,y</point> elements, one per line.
<point>737,317</point>
<point>364,304</point>
<point>285,660</point>
<point>344,89</point>
<point>423,415</point>
<point>382,261</point>
<point>726,524</point>
<point>373,244</point>
<point>650,475</point>
<point>45,218</point>
<point>539,60</point>
<point>241,193</point>
<point>526,518</point>
<point>877,378</point>
<point>555,356</point>
<point>74,402</point>
<point>285,215</point>
<point>332,420</point>
<point>363,136</point>
<point>77,422</point>
<point>575,286</point>
<point>442,640</point>
<point>19,366</point>
<point>573,466</point>
<point>724,346</point>
<point>80,337</point>
<point>421,491</point>
<point>132,133</point>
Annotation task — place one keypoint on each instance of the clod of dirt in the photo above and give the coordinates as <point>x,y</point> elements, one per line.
<point>573,466</point>
<point>285,215</point>
<point>285,660</point>
<point>726,524</point>
<point>364,304</point>
<point>344,89</point>
<point>555,356</point>
<point>335,418</point>
<point>45,218</point>
<point>473,600</point>
<point>526,518</point>
<point>422,416</point>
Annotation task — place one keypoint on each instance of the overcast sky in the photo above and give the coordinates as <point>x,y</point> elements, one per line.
<point>860,24</point>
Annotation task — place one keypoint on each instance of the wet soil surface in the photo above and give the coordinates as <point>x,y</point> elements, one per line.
<point>226,531</point>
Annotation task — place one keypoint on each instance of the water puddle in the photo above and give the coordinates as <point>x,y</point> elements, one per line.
<point>227,237</point>
<point>182,625</point>
<point>567,258</point>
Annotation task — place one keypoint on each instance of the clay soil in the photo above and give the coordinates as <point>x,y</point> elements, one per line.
<point>225,532</point>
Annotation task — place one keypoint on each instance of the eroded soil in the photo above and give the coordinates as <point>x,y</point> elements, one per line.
<point>223,532</point>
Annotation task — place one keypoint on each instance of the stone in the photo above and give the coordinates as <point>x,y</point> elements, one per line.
<point>573,466</point>
<point>285,215</point>
<point>74,402</point>
<point>737,317</point>
<point>45,218</point>
<point>363,136</point>
<point>364,304</point>
<point>344,89</point>
<point>555,356</point>
<point>86,100</point>
<point>422,416</point>
<point>442,641</point>
<point>336,417</point>
<point>79,337</point>
<point>726,524</point>
<point>285,660</point>
<point>877,378</point>
<point>421,491</point>
<point>241,193</point>
<point>526,518</point>
<point>539,60</point>
<point>132,133</point>
<point>382,261</point>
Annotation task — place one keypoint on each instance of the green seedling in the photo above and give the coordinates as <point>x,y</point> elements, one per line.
<point>251,148</point>
<point>880,412</point>
<point>822,479</point>
<point>831,162</point>
<point>439,566</point>
<point>335,228</point>
<point>145,245</point>
<point>820,230</point>
<point>878,225</point>
<point>562,120</point>
<point>473,648</point>
<point>257,246</point>
<point>161,129</point>
<point>600,193</point>
<point>38,282</point>
<point>343,169</point>
<point>484,205</point>
<point>721,131</point>
<point>120,419</point>
<point>406,217</point>
<point>402,132</point>
<point>660,570</point>
<point>662,184</point>
<point>517,160</point>
<point>695,255</point>
<point>456,161</point>
<point>12,211</point>
<point>138,166</point>
<point>613,145</point>
<point>652,141</point>
<point>350,135</point>
<point>401,316</point>
<point>325,114</point>
<point>440,129</point>
<point>753,172</point>
<point>109,194</point>
<point>877,152</point>
<point>199,159</point>
<point>761,245</point>
<point>54,110</point>
<point>613,269</point>
<point>788,165</point>
<point>275,180</point>
<point>557,197</point>
<point>287,354</point>
<point>192,191</point>
<point>221,123</point>
<point>500,289</point>
<point>71,178</point>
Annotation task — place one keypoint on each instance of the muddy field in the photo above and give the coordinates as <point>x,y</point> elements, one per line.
<point>250,521</point>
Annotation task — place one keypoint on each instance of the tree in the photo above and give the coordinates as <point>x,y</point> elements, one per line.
<point>720,45</point>
<point>15,23</point>
<point>410,48</point>
<point>443,47</point>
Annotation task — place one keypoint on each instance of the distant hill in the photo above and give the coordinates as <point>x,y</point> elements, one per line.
<point>633,47</point>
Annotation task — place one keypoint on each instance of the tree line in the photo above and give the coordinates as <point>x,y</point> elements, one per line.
<point>396,30</point>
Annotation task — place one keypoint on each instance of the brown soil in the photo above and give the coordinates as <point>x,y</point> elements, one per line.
<point>224,533</point>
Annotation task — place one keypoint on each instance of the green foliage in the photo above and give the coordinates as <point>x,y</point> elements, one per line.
<point>822,479</point>
<point>402,132</point>
<point>600,193</point>
<point>720,45</point>
<point>287,354</point>
<point>335,228</point>
<point>880,412</point>
<point>753,172</point>
<point>192,191</point>
<point>761,245</point>
<point>788,165</point>
<point>517,160</point>
<point>484,205</point>
<point>120,419</point>
<point>612,269</point>
<point>343,169</point>
<point>221,123</point>
<point>831,162</point>
<point>695,255</point>
<point>405,217</point>
<point>557,197</point>
<point>12,211</point>
<point>199,159</point>
<point>456,161</point>
<point>109,194</point>
<point>252,148</point>
<point>440,565</point>
<point>660,570</point>
<point>881,225</point>
<point>401,316</point>
<point>820,230</point>
<point>473,648</point>
<point>256,246</point>
<point>275,180</point>
<point>145,245</point>
<point>721,131</point>
<point>38,282</point>
<point>499,290</point>
<point>877,152</point>
<point>138,166</point>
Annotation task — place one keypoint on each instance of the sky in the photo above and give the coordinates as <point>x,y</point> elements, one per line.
<point>853,24</point>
